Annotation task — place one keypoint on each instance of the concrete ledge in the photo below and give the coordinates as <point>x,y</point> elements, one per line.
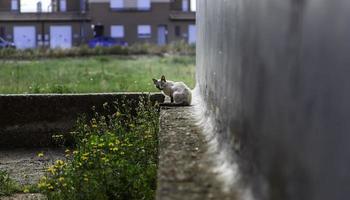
<point>185,172</point>
<point>31,120</point>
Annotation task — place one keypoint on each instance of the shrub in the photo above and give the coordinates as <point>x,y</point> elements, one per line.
<point>7,185</point>
<point>114,157</point>
<point>180,47</point>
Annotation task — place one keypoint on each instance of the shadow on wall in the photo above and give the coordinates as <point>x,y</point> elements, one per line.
<point>275,75</point>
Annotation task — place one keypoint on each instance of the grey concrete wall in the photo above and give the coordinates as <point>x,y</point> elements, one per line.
<point>276,74</point>
<point>31,120</point>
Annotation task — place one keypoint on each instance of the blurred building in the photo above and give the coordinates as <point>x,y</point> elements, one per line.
<point>67,23</point>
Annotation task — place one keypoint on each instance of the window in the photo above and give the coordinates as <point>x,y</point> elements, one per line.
<point>2,32</point>
<point>143,4</point>
<point>117,31</point>
<point>117,4</point>
<point>192,32</point>
<point>177,31</point>
<point>83,5</point>
<point>14,5</point>
<point>193,5</point>
<point>35,7</point>
<point>144,31</point>
<point>63,5</point>
<point>185,5</point>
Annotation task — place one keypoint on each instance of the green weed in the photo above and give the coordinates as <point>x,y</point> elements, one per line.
<point>114,157</point>
<point>7,185</point>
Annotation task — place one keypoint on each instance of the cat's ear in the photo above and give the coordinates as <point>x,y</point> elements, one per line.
<point>163,78</point>
<point>154,81</point>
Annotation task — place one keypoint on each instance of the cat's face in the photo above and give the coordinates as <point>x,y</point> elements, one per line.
<point>160,84</point>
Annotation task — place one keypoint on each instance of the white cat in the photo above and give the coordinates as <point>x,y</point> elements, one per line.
<point>179,93</point>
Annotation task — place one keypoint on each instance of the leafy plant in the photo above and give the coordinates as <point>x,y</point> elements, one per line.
<point>114,157</point>
<point>7,185</point>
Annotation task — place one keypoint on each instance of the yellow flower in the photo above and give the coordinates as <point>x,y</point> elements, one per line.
<point>117,141</point>
<point>75,152</point>
<point>52,170</point>
<point>86,179</point>
<point>41,185</point>
<point>41,154</point>
<point>111,144</point>
<point>26,190</point>
<point>50,187</point>
<point>60,179</point>
<point>104,159</point>
<point>114,149</point>
<point>59,162</point>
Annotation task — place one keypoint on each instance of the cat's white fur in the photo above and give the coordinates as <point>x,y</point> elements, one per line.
<point>177,91</point>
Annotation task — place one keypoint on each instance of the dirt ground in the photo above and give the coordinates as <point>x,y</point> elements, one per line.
<point>25,166</point>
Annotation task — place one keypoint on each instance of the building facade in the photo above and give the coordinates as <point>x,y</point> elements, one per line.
<point>67,23</point>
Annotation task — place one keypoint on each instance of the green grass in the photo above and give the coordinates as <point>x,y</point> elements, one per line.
<point>93,74</point>
<point>7,185</point>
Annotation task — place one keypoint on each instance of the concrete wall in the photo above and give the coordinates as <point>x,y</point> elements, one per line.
<point>31,120</point>
<point>275,74</point>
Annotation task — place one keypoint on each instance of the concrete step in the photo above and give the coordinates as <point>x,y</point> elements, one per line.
<point>184,170</point>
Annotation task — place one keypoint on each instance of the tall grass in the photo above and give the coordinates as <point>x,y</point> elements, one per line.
<point>93,74</point>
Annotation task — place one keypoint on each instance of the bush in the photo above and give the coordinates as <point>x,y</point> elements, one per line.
<point>115,157</point>
<point>7,185</point>
<point>136,49</point>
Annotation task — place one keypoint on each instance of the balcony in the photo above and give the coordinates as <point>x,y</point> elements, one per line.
<point>8,16</point>
<point>182,16</point>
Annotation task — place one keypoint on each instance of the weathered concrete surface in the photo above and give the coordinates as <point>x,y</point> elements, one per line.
<point>184,170</point>
<point>31,120</point>
<point>275,76</point>
<point>25,197</point>
<point>25,167</point>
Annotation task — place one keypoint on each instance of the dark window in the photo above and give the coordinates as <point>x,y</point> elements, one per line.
<point>2,31</point>
<point>99,30</point>
<point>177,31</point>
